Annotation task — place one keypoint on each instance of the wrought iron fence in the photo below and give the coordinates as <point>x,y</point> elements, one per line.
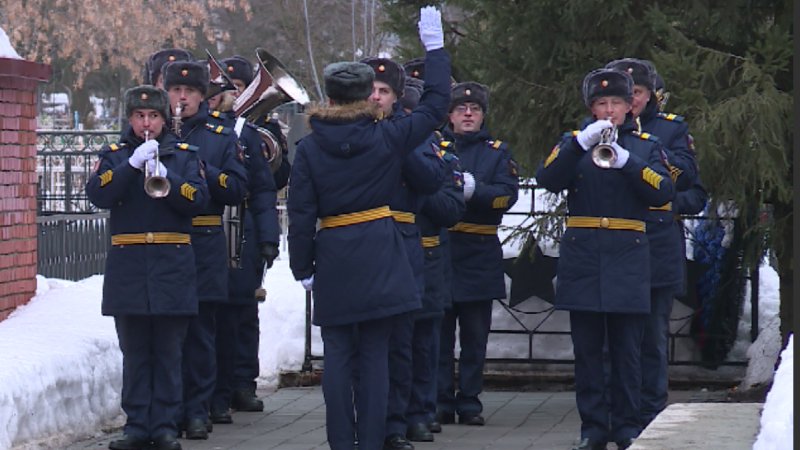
<point>72,246</point>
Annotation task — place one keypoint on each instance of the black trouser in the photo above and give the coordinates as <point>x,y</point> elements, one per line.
<point>199,364</point>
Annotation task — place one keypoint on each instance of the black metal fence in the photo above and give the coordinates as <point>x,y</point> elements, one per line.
<point>72,246</point>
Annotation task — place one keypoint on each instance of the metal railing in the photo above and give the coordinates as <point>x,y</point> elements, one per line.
<point>72,246</point>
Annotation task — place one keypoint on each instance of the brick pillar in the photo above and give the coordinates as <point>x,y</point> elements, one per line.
<point>18,82</point>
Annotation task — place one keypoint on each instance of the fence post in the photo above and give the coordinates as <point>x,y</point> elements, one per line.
<point>754,281</point>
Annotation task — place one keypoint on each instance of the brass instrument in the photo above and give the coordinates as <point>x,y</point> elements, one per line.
<point>176,119</point>
<point>155,184</point>
<point>219,79</point>
<point>233,226</point>
<point>603,154</point>
<point>272,86</point>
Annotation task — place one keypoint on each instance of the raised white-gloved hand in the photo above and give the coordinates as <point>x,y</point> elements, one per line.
<point>469,185</point>
<point>590,135</point>
<point>308,283</point>
<point>430,28</point>
<point>622,156</point>
<point>144,152</point>
<point>151,166</point>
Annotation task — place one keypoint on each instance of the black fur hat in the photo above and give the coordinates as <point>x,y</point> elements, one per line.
<point>412,93</point>
<point>188,73</point>
<point>146,96</point>
<point>607,82</point>
<point>642,71</point>
<point>348,81</point>
<point>469,91</point>
<point>388,72</point>
<point>239,68</point>
<point>157,60</point>
<point>415,68</point>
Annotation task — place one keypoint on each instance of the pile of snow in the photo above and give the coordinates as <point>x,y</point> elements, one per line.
<point>777,418</point>
<point>6,50</point>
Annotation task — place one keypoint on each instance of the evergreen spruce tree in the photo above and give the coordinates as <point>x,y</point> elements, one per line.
<point>728,66</point>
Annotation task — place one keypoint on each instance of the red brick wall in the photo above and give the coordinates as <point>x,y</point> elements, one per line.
<point>18,82</point>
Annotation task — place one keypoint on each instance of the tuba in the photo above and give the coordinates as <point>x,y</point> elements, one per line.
<point>272,86</point>
<point>219,79</point>
<point>603,154</point>
<point>155,184</point>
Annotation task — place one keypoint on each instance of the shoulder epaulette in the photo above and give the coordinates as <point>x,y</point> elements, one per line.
<point>569,134</point>
<point>251,125</point>
<point>446,144</point>
<point>645,136</point>
<point>186,146</point>
<point>219,129</point>
<point>449,156</point>
<point>115,147</point>
<point>496,144</point>
<point>672,117</point>
<point>218,114</point>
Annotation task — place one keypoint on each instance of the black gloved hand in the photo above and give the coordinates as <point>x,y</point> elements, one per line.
<point>269,252</point>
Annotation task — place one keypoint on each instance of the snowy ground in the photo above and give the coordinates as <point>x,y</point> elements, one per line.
<point>60,380</point>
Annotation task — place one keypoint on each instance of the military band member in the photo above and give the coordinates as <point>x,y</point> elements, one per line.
<point>237,322</point>
<point>157,60</point>
<point>344,175</point>
<point>603,268</point>
<point>150,274</point>
<point>490,189</point>
<point>186,83</point>
<point>422,174</point>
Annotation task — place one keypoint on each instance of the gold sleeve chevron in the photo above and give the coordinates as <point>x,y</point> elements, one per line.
<point>553,155</point>
<point>651,178</point>
<point>500,202</point>
<point>105,177</point>
<point>674,172</point>
<point>223,180</point>
<point>188,191</point>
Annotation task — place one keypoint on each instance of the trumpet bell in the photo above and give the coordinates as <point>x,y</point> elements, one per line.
<point>156,186</point>
<point>604,156</point>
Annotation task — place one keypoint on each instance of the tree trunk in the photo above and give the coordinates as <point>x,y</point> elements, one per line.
<point>82,104</point>
<point>784,253</point>
<point>353,27</point>
<point>310,53</point>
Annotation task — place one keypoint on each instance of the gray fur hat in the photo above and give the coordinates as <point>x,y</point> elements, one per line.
<point>642,71</point>
<point>469,91</point>
<point>412,94</point>
<point>348,81</point>
<point>607,82</point>
<point>146,96</point>
<point>188,73</point>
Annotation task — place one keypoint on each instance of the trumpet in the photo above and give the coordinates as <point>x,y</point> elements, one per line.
<point>155,184</point>
<point>176,119</point>
<point>603,154</point>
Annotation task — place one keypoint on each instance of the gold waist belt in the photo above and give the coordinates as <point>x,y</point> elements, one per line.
<point>610,223</point>
<point>205,221</point>
<point>402,216</point>
<point>474,228</point>
<point>150,238</point>
<point>430,241</point>
<point>355,217</point>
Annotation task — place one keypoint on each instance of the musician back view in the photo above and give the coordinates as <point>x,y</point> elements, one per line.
<point>149,285</point>
<point>186,83</point>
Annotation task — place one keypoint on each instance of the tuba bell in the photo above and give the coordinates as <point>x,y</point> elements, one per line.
<point>272,86</point>
<point>219,79</point>
<point>603,154</point>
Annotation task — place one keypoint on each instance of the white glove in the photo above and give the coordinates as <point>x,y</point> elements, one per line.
<point>469,185</point>
<point>308,283</point>
<point>590,135</point>
<point>144,152</point>
<point>151,166</point>
<point>622,156</point>
<point>430,28</point>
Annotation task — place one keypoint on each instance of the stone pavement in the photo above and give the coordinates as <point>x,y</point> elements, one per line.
<point>294,419</point>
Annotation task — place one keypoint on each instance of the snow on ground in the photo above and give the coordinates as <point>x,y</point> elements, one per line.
<point>6,50</point>
<point>777,417</point>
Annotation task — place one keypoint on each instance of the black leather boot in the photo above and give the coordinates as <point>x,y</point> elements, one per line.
<point>195,428</point>
<point>419,432</point>
<point>624,443</point>
<point>129,442</point>
<point>219,416</point>
<point>166,441</point>
<point>589,444</point>
<point>246,400</point>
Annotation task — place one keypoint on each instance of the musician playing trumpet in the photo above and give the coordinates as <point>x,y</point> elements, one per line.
<point>604,263</point>
<point>187,83</point>
<point>149,285</point>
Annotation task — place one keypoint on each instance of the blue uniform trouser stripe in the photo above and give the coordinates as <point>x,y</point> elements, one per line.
<point>421,349</point>
<point>151,374</point>
<point>474,320</point>
<point>361,347</point>
<point>430,399</point>
<point>400,373</point>
<point>199,363</point>
<point>654,356</point>
<point>624,334</point>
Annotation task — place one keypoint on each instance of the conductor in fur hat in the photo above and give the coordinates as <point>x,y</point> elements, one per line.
<point>149,286</point>
<point>355,263</point>
<point>490,189</point>
<point>186,83</point>
<point>604,263</point>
